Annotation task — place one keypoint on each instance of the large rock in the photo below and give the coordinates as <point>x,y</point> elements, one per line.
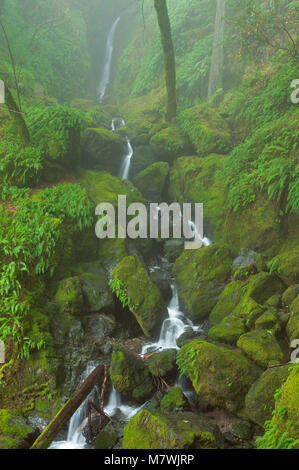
<point>201,276</point>
<point>170,143</point>
<point>102,150</point>
<point>227,301</point>
<point>151,181</point>
<point>293,323</point>
<point>69,296</point>
<point>208,132</point>
<point>14,431</point>
<point>259,401</point>
<point>136,290</point>
<point>283,430</point>
<point>158,430</point>
<point>175,400</point>
<point>130,376</point>
<point>143,157</point>
<point>229,330</point>
<point>162,364</point>
<point>198,180</point>
<point>261,346</point>
<point>220,376</point>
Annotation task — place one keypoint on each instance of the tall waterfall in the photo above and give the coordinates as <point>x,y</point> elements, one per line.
<point>216,71</point>
<point>108,60</point>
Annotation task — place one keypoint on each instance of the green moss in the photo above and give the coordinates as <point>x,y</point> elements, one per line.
<point>269,321</point>
<point>106,439</point>
<point>259,401</point>
<point>151,181</point>
<point>229,330</point>
<point>169,431</point>
<point>103,187</point>
<point>201,275</point>
<point>13,431</point>
<point>162,364</point>
<point>170,143</point>
<point>287,264</point>
<point>146,302</point>
<point>220,376</point>
<point>227,301</point>
<point>69,296</point>
<point>261,346</point>
<point>208,132</point>
<point>250,310</point>
<point>175,400</point>
<point>112,250</point>
<point>199,180</point>
<point>129,375</point>
<point>293,323</point>
<point>290,295</point>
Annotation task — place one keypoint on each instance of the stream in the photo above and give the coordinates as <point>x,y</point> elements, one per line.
<point>173,326</point>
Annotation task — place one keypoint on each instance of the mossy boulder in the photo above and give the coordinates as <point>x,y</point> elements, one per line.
<point>290,295</point>
<point>163,364</point>
<point>283,430</point>
<point>263,286</point>
<point>174,400</point>
<point>130,376</point>
<point>189,335</point>
<point>259,401</point>
<point>69,296</point>
<point>293,323</point>
<point>170,143</point>
<point>287,264</point>
<point>106,439</point>
<point>201,276</point>
<point>199,180</point>
<point>206,129</point>
<point>151,181</point>
<point>102,150</point>
<point>229,330</point>
<point>269,321</point>
<point>250,310</point>
<point>112,251</point>
<point>14,431</point>
<point>103,187</point>
<point>141,294</point>
<point>158,430</point>
<point>144,156</point>
<point>172,249</point>
<point>220,376</point>
<point>261,347</point>
<point>262,235</point>
<point>228,300</point>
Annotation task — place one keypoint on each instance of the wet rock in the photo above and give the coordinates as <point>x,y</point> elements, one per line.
<point>229,330</point>
<point>189,335</point>
<point>175,400</point>
<point>261,347</point>
<point>242,430</point>
<point>163,364</point>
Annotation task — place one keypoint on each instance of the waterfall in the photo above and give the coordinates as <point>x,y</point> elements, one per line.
<point>173,327</point>
<point>216,71</point>
<point>197,237</point>
<point>108,60</point>
<point>118,123</point>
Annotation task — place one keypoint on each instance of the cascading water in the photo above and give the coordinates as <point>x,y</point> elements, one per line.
<point>197,237</point>
<point>173,327</point>
<point>118,123</point>
<point>108,60</point>
<point>75,438</point>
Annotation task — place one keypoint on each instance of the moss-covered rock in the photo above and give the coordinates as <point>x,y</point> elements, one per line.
<point>173,249</point>
<point>208,132</point>
<point>283,430</point>
<point>189,335</point>
<point>229,330</point>
<point>262,234</point>
<point>262,286</point>
<point>69,296</point>
<point>199,180</point>
<point>106,439</point>
<point>261,346</point>
<point>170,143</point>
<point>151,181</point>
<point>148,430</point>
<point>201,276</point>
<point>103,187</point>
<point>174,400</point>
<point>163,364</point>
<point>227,301</point>
<point>14,431</point>
<point>269,321</point>
<point>250,310</point>
<point>220,376</point>
<point>293,323</point>
<point>290,295</point>
<point>144,156</point>
<point>130,376</point>
<point>287,264</point>
<point>112,251</point>
<point>102,150</point>
<point>259,401</point>
<point>138,291</point>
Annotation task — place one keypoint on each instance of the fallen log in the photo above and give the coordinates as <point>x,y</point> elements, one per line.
<point>49,433</point>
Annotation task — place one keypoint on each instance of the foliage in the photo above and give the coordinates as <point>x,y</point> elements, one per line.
<point>119,289</point>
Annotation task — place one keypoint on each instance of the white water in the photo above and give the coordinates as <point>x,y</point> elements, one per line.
<point>197,237</point>
<point>118,123</point>
<point>173,327</point>
<point>108,60</point>
<point>75,438</point>
<point>115,404</point>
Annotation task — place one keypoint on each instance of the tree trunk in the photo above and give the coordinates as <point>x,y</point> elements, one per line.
<point>216,71</point>
<point>17,116</point>
<point>49,433</point>
<point>169,58</point>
